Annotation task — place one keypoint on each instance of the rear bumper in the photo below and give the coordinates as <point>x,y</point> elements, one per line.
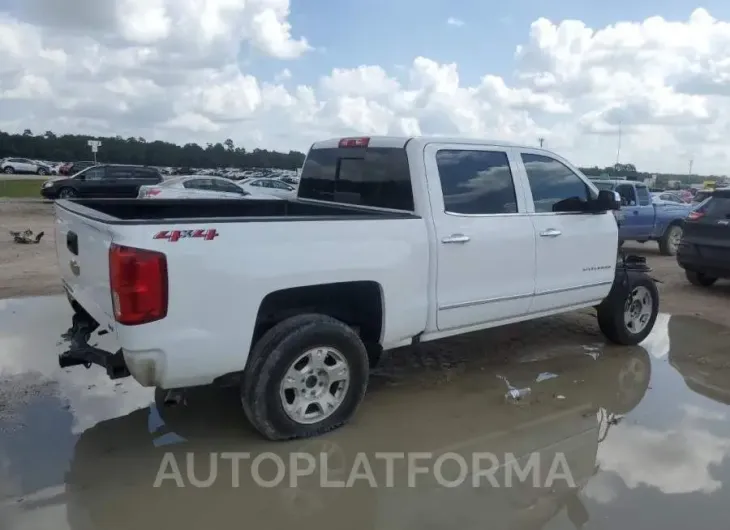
<point>692,258</point>
<point>145,367</point>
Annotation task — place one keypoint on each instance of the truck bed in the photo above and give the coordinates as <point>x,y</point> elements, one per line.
<point>155,211</point>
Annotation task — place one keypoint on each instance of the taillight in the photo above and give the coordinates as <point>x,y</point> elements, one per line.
<point>694,216</point>
<point>152,192</point>
<point>354,142</point>
<point>138,281</point>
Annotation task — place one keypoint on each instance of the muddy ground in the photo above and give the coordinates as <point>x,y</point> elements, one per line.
<point>643,431</point>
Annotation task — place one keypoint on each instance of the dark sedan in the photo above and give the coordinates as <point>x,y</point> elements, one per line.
<point>104,180</point>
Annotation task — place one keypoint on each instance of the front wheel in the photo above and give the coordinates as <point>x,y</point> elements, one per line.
<point>9,170</point>
<point>307,375</point>
<point>67,193</point>
<point>627,316</point>
<point>42,171</point>
<point>669,242</point>
<point>699,279</point>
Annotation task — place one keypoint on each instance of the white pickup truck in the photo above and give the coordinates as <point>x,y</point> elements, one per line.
<point>390,242</point>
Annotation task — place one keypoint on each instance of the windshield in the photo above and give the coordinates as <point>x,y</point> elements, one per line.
<point>604,185</point>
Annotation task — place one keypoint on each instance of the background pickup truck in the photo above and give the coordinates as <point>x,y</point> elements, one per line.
<point>390,242</point>
<point>646,220</point>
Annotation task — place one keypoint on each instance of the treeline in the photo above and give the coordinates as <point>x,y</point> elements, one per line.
<point>629,170</point>
<point>69,147</point>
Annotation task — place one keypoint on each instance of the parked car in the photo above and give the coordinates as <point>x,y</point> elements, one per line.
<point>704,251</point>
<point>104,180</point>
<point>269,186</point>
<point>390,242</point>
<point>71,168</point>
<point>644,220</point>
<point>197,187</point>
<point>669,196</point>
<point>292,181</point>
<point>701,196</point>
<point>23,166</point>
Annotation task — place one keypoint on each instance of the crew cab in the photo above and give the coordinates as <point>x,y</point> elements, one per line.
<point>645,219</point>
<point>704,251</point>
<point>390,242</point>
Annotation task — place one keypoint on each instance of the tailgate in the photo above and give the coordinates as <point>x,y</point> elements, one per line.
<point>82,247</point>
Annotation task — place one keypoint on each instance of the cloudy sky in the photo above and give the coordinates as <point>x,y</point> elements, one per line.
<point>282,73</point>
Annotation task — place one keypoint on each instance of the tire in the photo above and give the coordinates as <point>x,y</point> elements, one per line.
<point>699,279</point>
<point>669,241</point>
<point>42,171</point>
<point>262,394</point>
<point>9,170</point>
<point>67,193</point>
<point>611,312</point>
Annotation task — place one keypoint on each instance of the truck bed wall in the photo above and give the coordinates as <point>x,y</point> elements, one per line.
<point>216,287</point>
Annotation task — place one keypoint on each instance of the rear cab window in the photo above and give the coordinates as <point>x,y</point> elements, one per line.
<point>375,176</point>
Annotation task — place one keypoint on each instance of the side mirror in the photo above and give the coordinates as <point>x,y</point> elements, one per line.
<point>607,200</point>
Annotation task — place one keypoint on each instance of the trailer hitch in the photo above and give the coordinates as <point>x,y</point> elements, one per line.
<point>81,353</point>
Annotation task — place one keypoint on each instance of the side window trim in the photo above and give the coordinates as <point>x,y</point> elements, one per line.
<point>518,152</point>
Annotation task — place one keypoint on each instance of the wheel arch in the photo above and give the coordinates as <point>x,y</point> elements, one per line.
<point>359,304</point>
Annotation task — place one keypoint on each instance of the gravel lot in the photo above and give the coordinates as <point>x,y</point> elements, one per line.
<point>27,270</point>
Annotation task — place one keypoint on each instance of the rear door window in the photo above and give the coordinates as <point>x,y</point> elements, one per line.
<point>120,173</point>
<point>476,182</point>
<point>227,187</point>
<point>374,176</point>
<point>199,184</point>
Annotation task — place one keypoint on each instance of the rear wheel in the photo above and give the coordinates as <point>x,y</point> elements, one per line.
<point>306,376</point>
<point>627,316</point>
<point>699,279</point>
<point>9,170</point>
<point>669,242</point>
<point>42,171</point>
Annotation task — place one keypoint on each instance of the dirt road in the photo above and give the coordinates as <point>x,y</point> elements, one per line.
<point>27,270</point>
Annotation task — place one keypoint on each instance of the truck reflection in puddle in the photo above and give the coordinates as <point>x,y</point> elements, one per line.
<point>111,476</point>
<point>704,364</point>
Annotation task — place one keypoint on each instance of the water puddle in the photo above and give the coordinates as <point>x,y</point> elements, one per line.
<point>626,438</point>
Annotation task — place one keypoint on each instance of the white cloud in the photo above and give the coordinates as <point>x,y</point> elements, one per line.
<point>674,461</point>
<point>171,69</point>
<point>451,21</point>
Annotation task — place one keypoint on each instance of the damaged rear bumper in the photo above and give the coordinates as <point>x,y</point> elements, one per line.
<point>80,352</point>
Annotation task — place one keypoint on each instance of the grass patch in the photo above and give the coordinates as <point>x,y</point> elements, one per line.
<point>21,188</point>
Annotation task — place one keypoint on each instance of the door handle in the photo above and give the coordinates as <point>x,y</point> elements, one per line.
<point>456,238</point>
<point>550,232</point>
